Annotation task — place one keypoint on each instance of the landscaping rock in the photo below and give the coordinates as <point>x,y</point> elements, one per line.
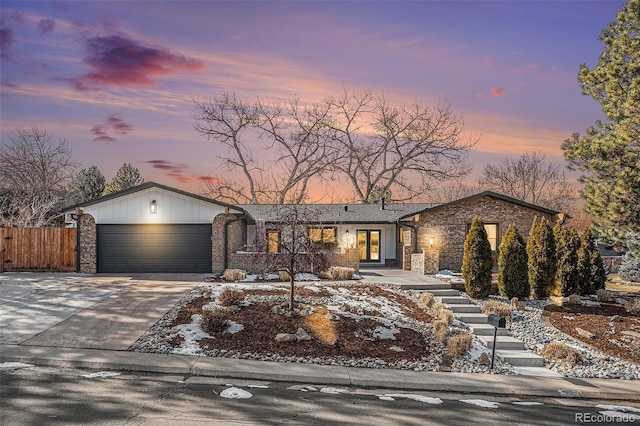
<point>286,337</point>
<point>590,303</point>
<point>574,299</point>
<point>616,318</point>
<point>301,334</point>
<point>584,333</point>
<point>622,302</point>
<point>484,359</point>
<point>277,310</point>
<point>396,348</point>
<point>234,309</point>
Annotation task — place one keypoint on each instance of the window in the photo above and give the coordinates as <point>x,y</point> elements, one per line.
<point>492,234</point>
<point>273,241</point>
<point>323,235</point>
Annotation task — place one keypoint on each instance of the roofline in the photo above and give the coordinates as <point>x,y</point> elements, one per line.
<point>148,185</point>
<point>486,194</point>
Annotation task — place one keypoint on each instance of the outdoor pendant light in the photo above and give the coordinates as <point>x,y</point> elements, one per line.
<point>153,207</point>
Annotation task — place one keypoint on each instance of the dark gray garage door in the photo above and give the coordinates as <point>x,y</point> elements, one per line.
<point>154,248</point>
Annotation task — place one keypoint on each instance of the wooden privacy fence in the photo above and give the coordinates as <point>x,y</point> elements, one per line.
<point>38,249</point>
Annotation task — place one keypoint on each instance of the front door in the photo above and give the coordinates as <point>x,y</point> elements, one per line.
<point>369,245</point>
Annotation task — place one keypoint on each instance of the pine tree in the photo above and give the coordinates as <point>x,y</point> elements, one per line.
<point>598,274</point>
<point>610,151</point>
<point>88,184</point>
<point>567,247</point>
<point>126,177</point>
<point>541,252</point>
<point>513,279</point>
<point>477,263</point>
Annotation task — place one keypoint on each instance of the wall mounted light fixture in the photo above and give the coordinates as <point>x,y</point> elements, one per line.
<point>431,241</point>
<point>153,207</point>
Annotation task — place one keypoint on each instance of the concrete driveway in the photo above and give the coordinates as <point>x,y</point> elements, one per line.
<point>86,311</point>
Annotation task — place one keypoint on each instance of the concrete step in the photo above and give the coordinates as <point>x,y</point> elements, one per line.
<point>443,293</point>
<point>503,342</point>
<point>471,318</point>
<point>425,286</point>
<point>487,330</point>
<point>455,300</point>
<point>520,358</point>
<point>467,308</point>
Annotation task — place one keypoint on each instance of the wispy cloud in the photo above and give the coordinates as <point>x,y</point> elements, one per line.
<point>7,37</point>
<point>118,61</point>
<point>524,67</point>
<point>113,124</point>
<point>46,26</point>
<point>174,170</point>
<point>498,91</point>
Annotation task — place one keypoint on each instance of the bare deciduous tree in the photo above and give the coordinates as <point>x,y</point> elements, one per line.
<point>531,178</point>
<point>380,149</point>
<point>35,173</point>
<point>386,149</point>
<point>296,252</point>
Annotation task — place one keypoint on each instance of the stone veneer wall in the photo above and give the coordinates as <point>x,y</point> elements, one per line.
<point>237,237</point>
<point>88,244</point>
<point>448,226</point>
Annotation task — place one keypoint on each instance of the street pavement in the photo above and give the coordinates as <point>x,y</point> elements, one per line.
<point>96,338</point>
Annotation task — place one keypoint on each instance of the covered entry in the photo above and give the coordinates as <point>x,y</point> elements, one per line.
<point>154,248</point>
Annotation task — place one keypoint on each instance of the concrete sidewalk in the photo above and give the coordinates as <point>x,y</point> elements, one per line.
<point>485,384</point>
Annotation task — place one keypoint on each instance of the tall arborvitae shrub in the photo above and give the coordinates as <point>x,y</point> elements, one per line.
<point>590,266</point>
<point>567,247</point>
<point>541,252</point>
<point>477,263</point>
<point>513,280</point>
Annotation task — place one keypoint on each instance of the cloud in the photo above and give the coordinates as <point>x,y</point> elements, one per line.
<point>7,38</point>
<point>113,124</point>
<point>498,91</point>
<point>208,180</point>
<point>174,170</point>
<point>116,60</point>
<point>46,26</point>
<point>524,67</point>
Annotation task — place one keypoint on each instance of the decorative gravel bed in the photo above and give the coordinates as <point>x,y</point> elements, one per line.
<point>378,327</point>
<point>529,327</point>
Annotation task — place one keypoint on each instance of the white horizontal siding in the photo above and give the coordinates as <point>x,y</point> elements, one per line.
<point>172,208</point>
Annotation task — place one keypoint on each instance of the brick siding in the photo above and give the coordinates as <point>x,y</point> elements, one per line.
<point>448,225</point>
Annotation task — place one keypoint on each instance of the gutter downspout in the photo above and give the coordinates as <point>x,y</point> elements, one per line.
<point>226,237</point>
<point>414,237</point>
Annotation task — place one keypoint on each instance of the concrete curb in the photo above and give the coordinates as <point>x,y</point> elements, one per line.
<point>486,384</point>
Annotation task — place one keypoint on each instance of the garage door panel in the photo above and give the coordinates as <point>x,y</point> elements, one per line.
<point>154,248</point>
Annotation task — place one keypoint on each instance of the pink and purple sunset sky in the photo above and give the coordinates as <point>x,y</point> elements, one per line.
<point>115,79</point>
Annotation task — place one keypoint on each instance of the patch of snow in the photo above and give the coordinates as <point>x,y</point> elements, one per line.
<point>101,374</point>
<point>272,276</point>
<point>385,398</point>
<point>191,333</point>
<point>259,386</point>
<point>477,349</point>
<point>235,393</point>
<point>306,277</point>
<point>309,389</point>
<point>527,403</point>
<point>356,277</point>
<point>249,278</point>
<point>13,365</point>
<point>385,333</point>
<point>445,273</point>
<point>456,280</point>
<point>313,288</point>
<point>234,327</point>
<point>333,391</point>
<point>619,408</point>
<point>419,398</point>
<point>480,403</point>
